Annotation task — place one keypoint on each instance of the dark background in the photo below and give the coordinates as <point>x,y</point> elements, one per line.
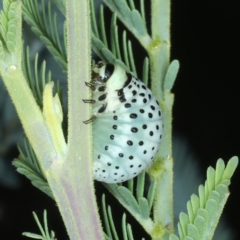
<point>205,40</point>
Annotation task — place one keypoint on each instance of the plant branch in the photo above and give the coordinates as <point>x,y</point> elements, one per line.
<point>159,54</point>
<point>71,181</point>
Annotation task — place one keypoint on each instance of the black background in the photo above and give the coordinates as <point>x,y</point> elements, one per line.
<point>205,39</point>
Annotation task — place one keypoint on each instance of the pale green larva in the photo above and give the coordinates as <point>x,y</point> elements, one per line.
<point>127,124</point>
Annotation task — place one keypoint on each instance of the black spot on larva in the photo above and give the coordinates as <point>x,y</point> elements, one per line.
<point>117,167</point>
<point>106,148</point>
<point>111,137</point>
<point>114,127</point>
<point>131,157</point>
<point>134,83</point>
<point>145,151</point>
<point>133,115</point>
<point>103,170</point>
<point>138,85</point>
<point>134,129</point>
<point>115,117</point>
<point>109,164</point>
<point>134,100</point>
<point>144,126</point>
<point>115,173</point>
<point>141,111</point>
<point>114,111</point>
<point>144,87</point>
<point>160,136</point>
<point>120,155</point>
<point>129,142</point>
<point>135,173</point>
<point>144,100</point>
<point>108,72</point>
<point>157,127</point>
<point>150,115</point>
<point>142,94</point>
<point>102,97</point>
<point>151,157</point>
<point>151,133</point>
<point>159,113</point>
<point>157,102</point>
<point>120,92</point>
<point>139,165</point>
<point>149,96</point>
<point>127,105</point>
<point>122,176</point>
<point>95,170</point>
<point>102,89</point>
<point>100,64</point>
<point>134,92</point>
<point>130,86</point>
<point>99,156</point>
<point>102,108</point>
<point>131,166</point>
<point>152,107</point>
<point>122,98</point>
<point>115,180</point>
<point>153,148</point>
<point>141,143</point>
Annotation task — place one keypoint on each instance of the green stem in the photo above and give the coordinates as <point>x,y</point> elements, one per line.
<point>30,115</point>
<point>159,54</point>
<point>159,50</point>
<point>72,181</point>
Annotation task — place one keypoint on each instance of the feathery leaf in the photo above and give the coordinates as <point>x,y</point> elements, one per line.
<point>45,26</point>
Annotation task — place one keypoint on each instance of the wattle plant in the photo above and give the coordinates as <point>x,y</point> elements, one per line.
<point>62,154</point>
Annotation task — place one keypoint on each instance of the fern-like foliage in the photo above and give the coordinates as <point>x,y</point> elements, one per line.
<point>10,37</point>
<point>119,50</point>
<point>130,17</point>
<point>45,25</point>
<point>45,233</point>
<point>138,204</point>
<point>204,210</point>
<point>27,164</point>
<point>8,24</point>
<point>33,78</point>
<point>111,232</point>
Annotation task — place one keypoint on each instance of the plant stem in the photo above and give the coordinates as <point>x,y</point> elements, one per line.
<point>29,114</point>
<point>72,180</point>
<point>159,54</point>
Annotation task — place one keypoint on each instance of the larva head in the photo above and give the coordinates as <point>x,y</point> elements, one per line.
<point>113,75</point>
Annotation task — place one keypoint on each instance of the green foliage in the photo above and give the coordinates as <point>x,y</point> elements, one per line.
<point>130,17</point>
<point>45,233</point>
<point>27,164</point>
<point>10,33</point>
<point>204,211</point>
<point>45,25</point>
<point>138,205</point>
<point>171,76</point>
<point>39,78</point>
<point>111,232</point>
